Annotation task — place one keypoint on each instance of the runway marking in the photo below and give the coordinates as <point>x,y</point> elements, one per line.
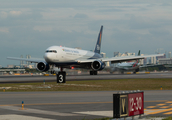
<point>147,110</point>
<point>160,104</point>
<point>164,107</point>
<point>169,102</point>
<point>152,111</point>
<point>151,106</point>
<point>101,113</point>
<point>70,103</point>
<point>160,111</point>
<point>57,103</point>
<point>97,113</point>
<point>17,94</point>
<point>29,110</point>
<point>157,101</point>
<point>168,113</point>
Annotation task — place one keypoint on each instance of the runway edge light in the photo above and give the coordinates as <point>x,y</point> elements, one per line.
<point>22,105</point>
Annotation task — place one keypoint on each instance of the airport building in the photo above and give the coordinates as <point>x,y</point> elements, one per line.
<point>169,54</point>
<point>142,61</point>
<point>79,48</point>
<point>4,71</point>
<point>26,64</point>
<point>28,57</point>
<point>153,60</point>
<point>21,62</point>
<point>118,54</point>
<point>10,66</point>
<point>164,61</point>
<point>103,54</point>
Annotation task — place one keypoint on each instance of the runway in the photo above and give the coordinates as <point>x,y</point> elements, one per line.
<point>38,78</point>
<point>76,105</point>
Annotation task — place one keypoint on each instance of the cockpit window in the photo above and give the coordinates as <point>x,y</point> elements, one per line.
<point>53,51</point>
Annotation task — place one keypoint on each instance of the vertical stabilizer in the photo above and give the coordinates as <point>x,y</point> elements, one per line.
<point>135,64</point>
<point>139,53</point>
<point>98,45</point>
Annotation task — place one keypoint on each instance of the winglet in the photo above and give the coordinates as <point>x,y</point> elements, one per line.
<point>98,45</point>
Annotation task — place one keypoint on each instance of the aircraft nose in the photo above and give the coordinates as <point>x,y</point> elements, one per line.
<point>47,57</point>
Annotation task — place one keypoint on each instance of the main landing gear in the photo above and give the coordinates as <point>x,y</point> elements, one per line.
<point>137,70</point>
<point>53,72</point>
<point>93,72</point>
<point>61,76</point>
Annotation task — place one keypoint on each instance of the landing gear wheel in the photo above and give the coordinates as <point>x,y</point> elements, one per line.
<point>93,72</point>
<point>53,72</point>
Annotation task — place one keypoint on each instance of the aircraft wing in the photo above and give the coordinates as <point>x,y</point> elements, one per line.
<point>119,59</point>
<point>34,60</point>
<point>156,65</point>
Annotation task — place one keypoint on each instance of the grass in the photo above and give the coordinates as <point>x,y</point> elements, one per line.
<point>94,85</point>
<point>168,118</point>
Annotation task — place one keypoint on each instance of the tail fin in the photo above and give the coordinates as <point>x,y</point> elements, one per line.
<point>135,64</point>
<point>98,45</point>
<point>139,53</point>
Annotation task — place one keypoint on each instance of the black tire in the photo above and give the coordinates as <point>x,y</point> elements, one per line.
<point>91,72</point>
<point>95,72</point>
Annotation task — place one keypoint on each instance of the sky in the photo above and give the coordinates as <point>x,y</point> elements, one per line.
<point>31,26</point>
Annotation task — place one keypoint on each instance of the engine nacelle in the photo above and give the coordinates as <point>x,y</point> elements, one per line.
<point>43,66</point>
<point>97,65</point>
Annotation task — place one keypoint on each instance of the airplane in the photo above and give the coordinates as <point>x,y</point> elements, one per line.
<point>129,66</point>
<point>65,57</point>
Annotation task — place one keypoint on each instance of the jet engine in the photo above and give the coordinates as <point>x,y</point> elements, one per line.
<point>97,65</point>
<point>43,66</point>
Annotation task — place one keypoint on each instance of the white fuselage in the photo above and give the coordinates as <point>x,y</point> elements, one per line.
<point>58,54</point>
<point>125,66</point>
<point>128,64</point>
